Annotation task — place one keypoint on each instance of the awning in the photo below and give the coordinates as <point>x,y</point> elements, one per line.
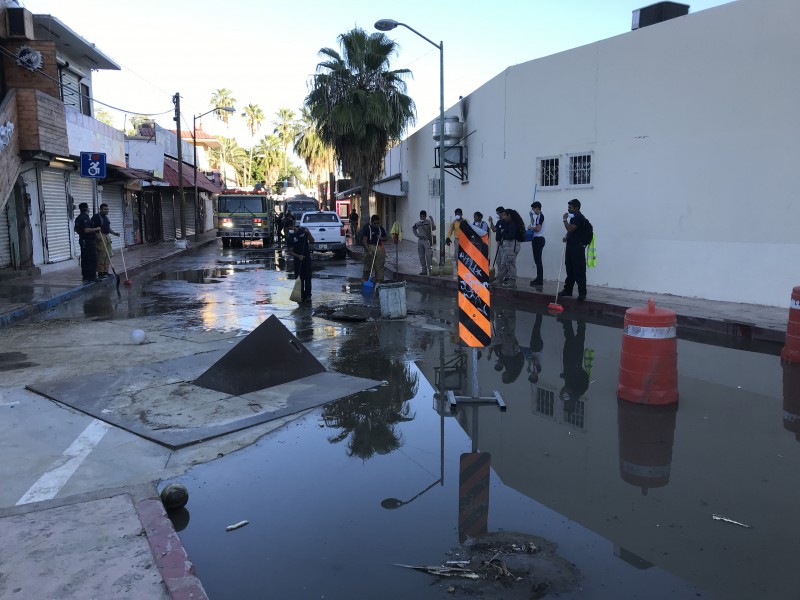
<point>350,192</point>
<point>203,182</point>
<point>391,186</point>
<point>124,173</point>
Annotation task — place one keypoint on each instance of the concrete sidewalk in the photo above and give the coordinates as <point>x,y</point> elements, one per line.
<point>94,547</point>
<point>694,315</point>
<point>23,295</point>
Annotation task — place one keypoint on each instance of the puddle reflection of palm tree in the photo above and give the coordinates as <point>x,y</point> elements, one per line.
<point>368,420</point>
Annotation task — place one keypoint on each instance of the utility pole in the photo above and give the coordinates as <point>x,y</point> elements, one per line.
<point>176,99</point>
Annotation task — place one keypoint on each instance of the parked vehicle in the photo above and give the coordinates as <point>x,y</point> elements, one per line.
<point>328,231</point>
<point>244,216</point>
<point>297,205</point>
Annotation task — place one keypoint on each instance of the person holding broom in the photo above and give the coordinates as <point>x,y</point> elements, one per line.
<point>102,241</point>
<point>373,238</point>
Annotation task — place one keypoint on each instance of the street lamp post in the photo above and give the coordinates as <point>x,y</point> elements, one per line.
<point>229,109</point>
<point>387,25</point>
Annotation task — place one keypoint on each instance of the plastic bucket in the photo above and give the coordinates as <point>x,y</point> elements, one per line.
<point>392,298</point>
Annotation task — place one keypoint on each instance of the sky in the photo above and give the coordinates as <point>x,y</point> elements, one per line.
<point>266,52</point>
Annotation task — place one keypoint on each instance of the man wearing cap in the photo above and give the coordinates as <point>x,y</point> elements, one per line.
<point>537,227</point>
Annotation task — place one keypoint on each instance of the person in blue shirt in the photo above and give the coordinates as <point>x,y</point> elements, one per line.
<point>575,252</point>
<point>298,242</point>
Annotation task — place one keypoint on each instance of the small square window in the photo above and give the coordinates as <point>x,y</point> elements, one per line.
<point>580,169</point>
<point>548,172</point>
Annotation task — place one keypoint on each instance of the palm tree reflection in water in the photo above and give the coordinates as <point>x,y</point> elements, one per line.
<point>368,420</point>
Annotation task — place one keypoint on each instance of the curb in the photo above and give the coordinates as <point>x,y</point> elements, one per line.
<point>689,327</point>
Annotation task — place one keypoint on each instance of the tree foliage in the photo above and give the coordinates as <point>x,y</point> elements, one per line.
<point>359,104</point>
<point>223,97</point>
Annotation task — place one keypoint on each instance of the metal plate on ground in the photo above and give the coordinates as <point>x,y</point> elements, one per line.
<point>160,403</point>
<point>270,355</point>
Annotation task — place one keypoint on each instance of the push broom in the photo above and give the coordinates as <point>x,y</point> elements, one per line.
<point>108,255</point>
<point>554,307</point>
<point>367,286</point>
<point>127,280</point>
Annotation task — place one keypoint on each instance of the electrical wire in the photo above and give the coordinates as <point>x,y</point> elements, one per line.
<point>81,94</point>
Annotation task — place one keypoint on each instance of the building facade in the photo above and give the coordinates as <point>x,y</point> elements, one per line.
<point>678,138</point>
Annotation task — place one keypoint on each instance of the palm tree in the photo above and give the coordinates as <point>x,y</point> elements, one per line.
<point>269,150</point>
<point>359,104</point>
<point>285,128</point>
<point>223,97</point>
<point>253,116</point>
<point>229,153</point>
<point>317,155</point>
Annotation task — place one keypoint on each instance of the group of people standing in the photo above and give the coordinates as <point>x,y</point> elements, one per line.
<point>93,236</point>
<point>510,232</point>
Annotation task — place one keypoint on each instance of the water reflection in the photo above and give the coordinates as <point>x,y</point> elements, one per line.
<point>368,420</point>
<point>646,438</point>
<point>791,398</point>
<point>505,346</point>
<point>576,379</point>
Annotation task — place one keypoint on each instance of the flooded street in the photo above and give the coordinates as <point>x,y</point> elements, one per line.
<point>683,501</point>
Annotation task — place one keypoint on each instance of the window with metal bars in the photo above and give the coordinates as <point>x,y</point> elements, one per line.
<point>545,399</point>
<point>580,169</point>
<point>548,172</point>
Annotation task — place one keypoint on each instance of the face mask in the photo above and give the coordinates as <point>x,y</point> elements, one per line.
<point>458,217</point>
<point>499,216</point>
<point>571,215</point>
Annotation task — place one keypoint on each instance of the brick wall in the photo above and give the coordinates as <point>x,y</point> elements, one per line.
<point>44,79</point>
<point>42,123</point>
<point>10,163</point>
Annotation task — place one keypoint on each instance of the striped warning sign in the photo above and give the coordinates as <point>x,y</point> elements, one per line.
<point>474,300</point>
<point>473,495</point>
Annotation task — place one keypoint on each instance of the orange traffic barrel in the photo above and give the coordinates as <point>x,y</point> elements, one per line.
<point>646,438</point>
<point>791,399</point>
<point>648,365</point>
<point>791,349</point>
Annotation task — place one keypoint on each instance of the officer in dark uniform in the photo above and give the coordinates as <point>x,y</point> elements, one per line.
<point>86,232</point>
<point>298,241</point>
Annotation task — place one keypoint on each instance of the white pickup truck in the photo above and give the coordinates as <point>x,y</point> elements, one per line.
<point>328,231</point>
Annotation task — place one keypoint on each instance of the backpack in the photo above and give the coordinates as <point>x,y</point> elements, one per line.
<point>515,216</point>
<point>586,233</point>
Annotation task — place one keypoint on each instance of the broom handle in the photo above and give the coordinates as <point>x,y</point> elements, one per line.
<point>558,281</point>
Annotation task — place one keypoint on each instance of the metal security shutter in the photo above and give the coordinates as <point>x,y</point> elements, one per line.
<point>82,190</point>
<point>112,195</point>
<point>57,224</point>
<point>190,215</point>
<point>5,237</point>
<point>167,217</point>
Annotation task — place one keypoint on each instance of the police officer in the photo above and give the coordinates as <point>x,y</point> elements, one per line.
<point>86,232</point>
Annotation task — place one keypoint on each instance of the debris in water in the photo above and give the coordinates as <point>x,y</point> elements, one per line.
<point>731,521</point>
<point>443,571</point>
<point>236,525</point>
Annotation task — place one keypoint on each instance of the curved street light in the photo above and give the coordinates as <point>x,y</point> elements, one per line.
<point>388,25</point>
<point>228,109</point>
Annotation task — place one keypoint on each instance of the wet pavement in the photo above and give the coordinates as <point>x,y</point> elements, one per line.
<point>628,493</point>
<point>624,495</point>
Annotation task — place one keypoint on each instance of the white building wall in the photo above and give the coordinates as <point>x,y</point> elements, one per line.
<point>693,128</point>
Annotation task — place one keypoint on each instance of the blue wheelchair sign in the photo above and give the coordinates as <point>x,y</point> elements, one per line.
<point>93,164</point>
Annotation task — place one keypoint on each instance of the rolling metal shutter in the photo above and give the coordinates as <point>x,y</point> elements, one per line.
<point>58,229</point>
<point>5,237</point>
<point>112,195</point>
<point>82,190</point>
<point>167,217</point>
<point>190,216</point>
